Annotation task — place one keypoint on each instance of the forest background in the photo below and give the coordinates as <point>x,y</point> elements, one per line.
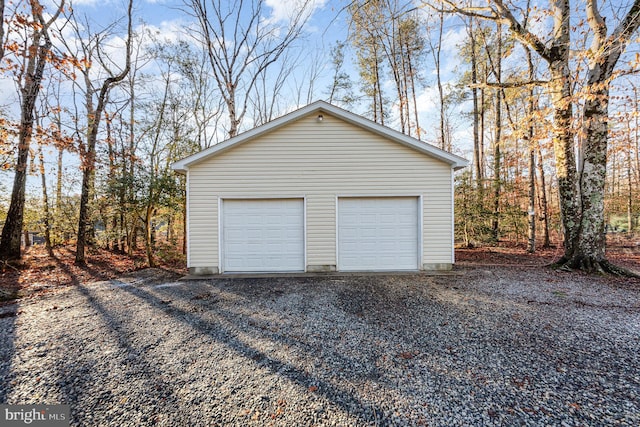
<point>98,99</point>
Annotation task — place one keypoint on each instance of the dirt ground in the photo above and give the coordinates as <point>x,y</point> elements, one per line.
<point>37,273</point>
<point>621,251</point>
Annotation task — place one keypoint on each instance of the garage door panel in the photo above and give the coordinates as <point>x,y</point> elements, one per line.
<point>263,235</point>
<point>378,233</point>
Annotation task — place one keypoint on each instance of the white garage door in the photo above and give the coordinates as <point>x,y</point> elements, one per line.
<point>263,235</point>
<point>378,234</point>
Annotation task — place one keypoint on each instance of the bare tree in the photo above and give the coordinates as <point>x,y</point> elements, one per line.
<point>340,90</point>
<point>304,83</point>
<point>531,139</point>
<point>267,92</point>
<point>94,117</point>
<point>497,142</point>
<point>242,44</point>
<point>436,51</point>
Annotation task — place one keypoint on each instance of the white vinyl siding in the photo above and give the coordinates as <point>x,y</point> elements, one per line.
<point>319,161</point>
<point>378,234</point>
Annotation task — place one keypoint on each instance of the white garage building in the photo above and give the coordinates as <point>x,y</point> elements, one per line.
<point>319,189</point>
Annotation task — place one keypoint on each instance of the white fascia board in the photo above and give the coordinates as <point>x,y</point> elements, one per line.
<point>456,162</point>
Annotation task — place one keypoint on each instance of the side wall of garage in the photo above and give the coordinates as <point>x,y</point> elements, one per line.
<point>319,161</point>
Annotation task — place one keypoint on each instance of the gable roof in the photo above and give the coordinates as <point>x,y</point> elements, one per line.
<point>319,107</point>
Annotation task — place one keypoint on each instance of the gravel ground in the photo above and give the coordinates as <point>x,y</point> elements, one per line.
<point>484,347</point>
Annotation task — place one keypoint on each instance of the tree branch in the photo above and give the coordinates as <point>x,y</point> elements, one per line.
<point>502,14</point>
<point>628,25</point>
<point>1,29</point>
<point>509,85</point>
<point>597,24</point>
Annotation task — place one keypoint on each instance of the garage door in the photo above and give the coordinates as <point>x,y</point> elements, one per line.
<point>378,234</point>
<point>263,235</point>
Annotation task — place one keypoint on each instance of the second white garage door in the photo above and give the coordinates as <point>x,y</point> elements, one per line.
<point>263,235</point>
<point>378,233</point>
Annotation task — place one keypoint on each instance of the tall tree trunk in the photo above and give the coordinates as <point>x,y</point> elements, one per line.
<point>89,166</point>
<point>1,29</point>
<point>495,226</point>
<point>88,153</point>
<point>37,58</point>
<point>531,242</point>
<point>113,242</point>
<point>402,53</point>
<point>476,113</point>
<point>45,201</point>
<point>563,150</point>
<point>637,133</point>
<point>589,243</point>
<point>148,236</point>
<point>412,82</point>
<point>481,136</point>
<point>531,246</point>
<point>544,205</point>
<point>442,139</point>
<point>59,170</point>
<point>184,226</point>
<point>378,86</point>
<point>629,187</point>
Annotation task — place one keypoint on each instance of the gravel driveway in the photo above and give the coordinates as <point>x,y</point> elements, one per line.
<point>483,347</point>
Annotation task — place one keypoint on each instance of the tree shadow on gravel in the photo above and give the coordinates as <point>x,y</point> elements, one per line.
<point>8,313</point>
<point>470,356</point>
<point>135,363</point>
<point>363,412</point>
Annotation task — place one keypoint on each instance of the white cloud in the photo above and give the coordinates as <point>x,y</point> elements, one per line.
<point>453,39</point>
<point>170,31</point>
<point>428,100</point>
<point>285,10</point>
